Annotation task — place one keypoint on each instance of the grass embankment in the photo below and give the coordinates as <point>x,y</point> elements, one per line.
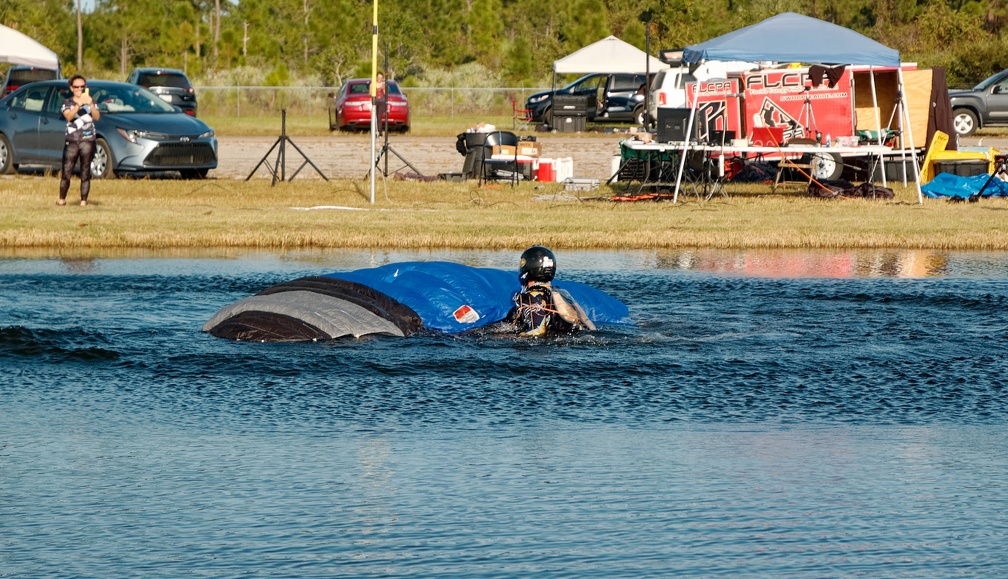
<point>217,213</point>
<point>161,214</point>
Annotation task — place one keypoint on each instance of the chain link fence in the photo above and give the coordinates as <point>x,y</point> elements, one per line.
<point>251,101</point>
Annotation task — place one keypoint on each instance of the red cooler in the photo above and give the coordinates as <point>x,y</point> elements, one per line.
<point>547,171</point>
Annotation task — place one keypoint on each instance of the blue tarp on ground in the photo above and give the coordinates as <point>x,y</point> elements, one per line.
<point>949,185</point>
<point>451,297</point>
<point>791,37</point>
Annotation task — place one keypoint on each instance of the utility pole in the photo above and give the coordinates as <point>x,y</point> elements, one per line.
<point>80,39</point>
<point>216,37</point>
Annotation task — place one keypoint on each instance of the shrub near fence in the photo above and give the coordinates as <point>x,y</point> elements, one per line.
<point>251,101</point>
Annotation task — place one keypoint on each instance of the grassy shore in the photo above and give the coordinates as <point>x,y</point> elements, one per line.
<point>162,214</point>
<point>219,213</point>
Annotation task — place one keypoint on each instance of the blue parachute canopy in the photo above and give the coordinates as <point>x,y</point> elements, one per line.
<point>397,299</point>
<point>451,297</point>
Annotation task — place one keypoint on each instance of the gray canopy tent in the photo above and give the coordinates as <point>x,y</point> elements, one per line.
<point>18,48</point>
<point>790,37</point>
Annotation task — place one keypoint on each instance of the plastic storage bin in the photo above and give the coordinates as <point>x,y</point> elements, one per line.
<point>969,168</point>
<point>564,169</point>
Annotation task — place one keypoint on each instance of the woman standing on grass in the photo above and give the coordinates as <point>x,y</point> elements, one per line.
<point>80,113</point>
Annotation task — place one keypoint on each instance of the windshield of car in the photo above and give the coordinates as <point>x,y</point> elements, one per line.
<point>676,79</point>
<point>658,79</point>
<point>163,79</point>
<point>988,81</point>
<point>585,84</point>
<point>359,88</point>
<point>129,99</point>
<point>625,83</point>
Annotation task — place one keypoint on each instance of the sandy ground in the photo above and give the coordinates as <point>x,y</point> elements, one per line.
<point>341,156</point>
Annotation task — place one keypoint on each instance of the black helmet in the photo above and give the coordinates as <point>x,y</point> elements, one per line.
<point>537,264</point>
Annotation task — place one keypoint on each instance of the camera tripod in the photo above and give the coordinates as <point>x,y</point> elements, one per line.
<point>1000,166</point>
<point>808,114</point>
<point>279,168</point>
<point>387,149</point>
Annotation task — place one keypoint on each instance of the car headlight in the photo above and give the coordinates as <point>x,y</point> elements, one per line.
<point>538,99</point>
<point>131,135</point>
<point>207,134</point>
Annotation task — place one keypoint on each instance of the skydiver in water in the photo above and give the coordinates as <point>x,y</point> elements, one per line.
<point>539,308</point>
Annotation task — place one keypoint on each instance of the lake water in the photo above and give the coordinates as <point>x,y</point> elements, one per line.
<point>772,414</point>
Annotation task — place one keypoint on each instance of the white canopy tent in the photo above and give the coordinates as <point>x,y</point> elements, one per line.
<point>18,48</point>
<point>609,55</point>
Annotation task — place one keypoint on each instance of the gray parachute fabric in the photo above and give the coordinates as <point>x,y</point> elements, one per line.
<point>313,308</point>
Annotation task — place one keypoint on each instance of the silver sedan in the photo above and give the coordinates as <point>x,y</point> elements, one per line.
<point>138,132</point>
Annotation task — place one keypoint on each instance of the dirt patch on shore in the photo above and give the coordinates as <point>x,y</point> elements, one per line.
<point>343,156</point>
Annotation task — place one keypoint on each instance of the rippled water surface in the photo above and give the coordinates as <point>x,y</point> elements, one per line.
<point>772,414</point>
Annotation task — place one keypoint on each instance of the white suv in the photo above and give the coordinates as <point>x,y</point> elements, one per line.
<point>668,89</point>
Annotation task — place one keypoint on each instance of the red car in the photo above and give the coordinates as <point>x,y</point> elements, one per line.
<point>351,107</point>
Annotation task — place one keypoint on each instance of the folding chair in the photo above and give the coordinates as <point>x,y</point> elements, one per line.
<point>802,165</point>
<point>499,168</point>
<point>521,117</point>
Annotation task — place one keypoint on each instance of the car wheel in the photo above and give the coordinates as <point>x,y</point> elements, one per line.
<point>102,166</point>
<point>825,166</point>
<point>548,116</point>
<point>639,117</point>
<point>964,121</point>
<point>6,156</point>
<point>194,173</point>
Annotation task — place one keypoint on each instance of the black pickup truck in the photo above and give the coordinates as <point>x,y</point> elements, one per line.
<point>985,105</point>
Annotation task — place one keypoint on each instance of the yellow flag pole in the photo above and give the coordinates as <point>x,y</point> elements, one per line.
<point>374,93</point>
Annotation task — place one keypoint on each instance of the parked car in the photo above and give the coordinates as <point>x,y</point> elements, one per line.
<point>350,108</point>
<point>984,105</point>
<point>668,89</point>
<point>138,132</point>
<point>19,75</point>
<point>170,84</point>
<point>619,95</point>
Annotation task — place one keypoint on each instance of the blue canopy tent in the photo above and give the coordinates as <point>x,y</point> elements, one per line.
<point>790,37</point>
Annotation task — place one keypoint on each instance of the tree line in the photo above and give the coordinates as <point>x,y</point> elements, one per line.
<point>463,42</point>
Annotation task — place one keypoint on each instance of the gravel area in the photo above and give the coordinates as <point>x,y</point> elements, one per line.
<point>341,156</point>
